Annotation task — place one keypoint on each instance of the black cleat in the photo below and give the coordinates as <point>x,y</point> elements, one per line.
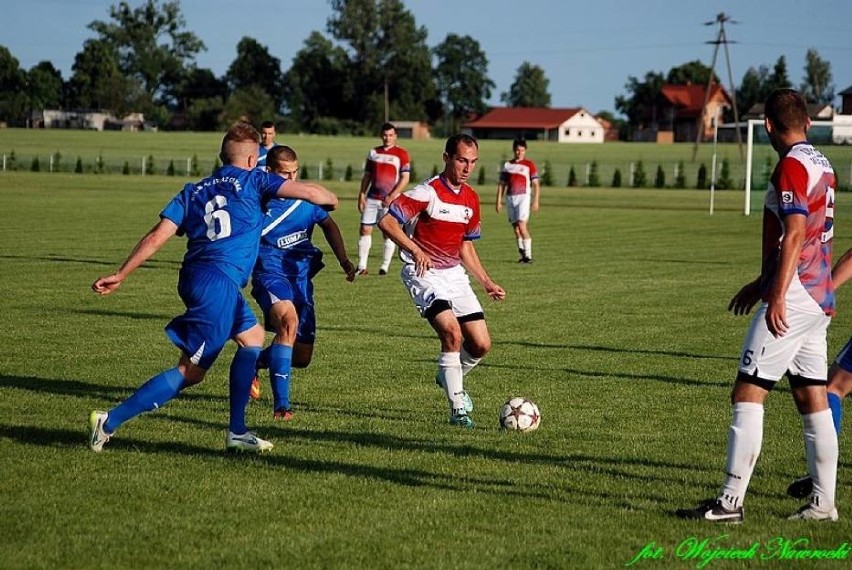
<point>383,271</point>
<point>712,511</point>
<point>801,488</point>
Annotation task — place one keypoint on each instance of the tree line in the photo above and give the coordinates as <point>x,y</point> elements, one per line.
<point>371,64</point>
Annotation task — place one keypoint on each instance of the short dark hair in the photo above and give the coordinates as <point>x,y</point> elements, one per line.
<point>519,142</point>
<point>787,110</point>
<point>454,141</point>
<point>267,125</point>
<point>388,127</point>
<point>239,133</point>
<point>281,153</point>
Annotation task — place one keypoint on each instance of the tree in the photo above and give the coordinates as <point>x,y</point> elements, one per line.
<point>817,87</point>
<point>151,45</point>
<point>529,88</point>
<point>254,65</point>
<point>13,100</point>
<point>318,84</point>
<point>44,86</point>
<point>461,73</point>
<point>637,105</point>
<point>387,55</point>
<point>251,104</point>
<point>97,81</point>
<point>753,88</point>
<point>779,79</point>
<point>690,72</point>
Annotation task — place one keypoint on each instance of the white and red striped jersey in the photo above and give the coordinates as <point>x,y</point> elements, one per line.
<point>438,219</point>
<point>385,166</point>
<point>517,176</point>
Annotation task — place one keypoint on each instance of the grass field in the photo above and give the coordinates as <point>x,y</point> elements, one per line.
<point>118,148</point>
<point>618,331</point>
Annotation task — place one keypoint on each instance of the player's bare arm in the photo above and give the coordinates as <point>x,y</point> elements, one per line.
<point>472,264</point>
<point>362,192</point>
<point>842,269</point>
<point>746,298</point>
<point>147,247</point>
<point>404,178</point>
<point>332,234</point>
<point>536,191</point>
<point>391,227</point>
<point>498,204</point>
<point>309,192</point>
<point>791,247</point>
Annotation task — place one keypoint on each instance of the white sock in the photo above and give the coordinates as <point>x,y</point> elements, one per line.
<point>389,249</point>
<point>520,246</point>
<point>821,450</point>
<point>450,373</point>
<point>468,362</point>
<point>745,436</point>
<point>364,244</point>
<point>528,248</point>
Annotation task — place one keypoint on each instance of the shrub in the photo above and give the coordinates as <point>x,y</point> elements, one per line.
<point>170,171</point>
<point>594,178</point>
<point>348,174</point>
<point>639,178</point>
<point>724,181</point>
<point>99,164</point>
<point>546,178</point>
<point>701,182</point>
<point>126,168</point>
<point>660,178</point>
<point>149,165</point>
<point>57,160</point>
<point>680,179</point>
<point>434,170</point>
<point>78,168</point>
<point>481,179</point>
<point>194,169</point>
<point>616,178</point>
<point>35,166</point>
<point>412,175</point>
<point>328,172</point>
<point>572,177</point>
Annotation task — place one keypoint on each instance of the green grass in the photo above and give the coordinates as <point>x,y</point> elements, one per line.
<point>116,148</point>
<point>618,331</point>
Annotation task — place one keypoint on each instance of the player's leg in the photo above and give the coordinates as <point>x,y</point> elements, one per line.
<point>284,321</point>
<point>445,324</point>
<point>249,341</point>
<point>523,216</point>
<point>512,214</point>
<point>387,253</point>
<point>369,218</point>
<point>302,354</point>
<point>303,349</point>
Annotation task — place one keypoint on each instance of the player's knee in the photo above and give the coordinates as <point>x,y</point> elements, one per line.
<point>478,348</point>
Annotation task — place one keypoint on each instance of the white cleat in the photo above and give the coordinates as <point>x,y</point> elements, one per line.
<point>811,512</point>
<point>246,442</point>
<point>97,435</point>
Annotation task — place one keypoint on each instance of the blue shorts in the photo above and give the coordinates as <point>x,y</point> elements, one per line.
<point>844,357</point>
<point>216,311</point>
<point>267,289</point>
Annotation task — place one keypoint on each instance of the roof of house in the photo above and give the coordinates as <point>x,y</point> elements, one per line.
<point>847,91</point>
<point>815,110</point>
<point>523,117</point>
<point>689,99</point>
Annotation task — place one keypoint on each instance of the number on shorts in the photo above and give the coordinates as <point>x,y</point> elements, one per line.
<point>747,357</point>
<point>215,213</point>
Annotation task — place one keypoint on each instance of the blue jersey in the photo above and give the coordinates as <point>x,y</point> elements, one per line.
<point>222,217</point>
<point>262,151</point>
<point>285,243</point>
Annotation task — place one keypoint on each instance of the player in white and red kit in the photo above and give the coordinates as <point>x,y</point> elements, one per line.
<point>788,333</point>
<point>442,218</point>
<point>519,181</point>
<point>386,174</point>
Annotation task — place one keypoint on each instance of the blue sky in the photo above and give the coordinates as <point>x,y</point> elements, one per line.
<point>587,49</point>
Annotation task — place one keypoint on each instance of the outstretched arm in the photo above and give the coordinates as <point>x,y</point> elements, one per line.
<point>309,192</point>
<point>335,240</point>
<point>842,269</point>
<point>470,261</point>
<point>147,247</point>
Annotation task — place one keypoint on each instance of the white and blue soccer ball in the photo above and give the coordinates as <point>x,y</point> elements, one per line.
<point>520,414</point>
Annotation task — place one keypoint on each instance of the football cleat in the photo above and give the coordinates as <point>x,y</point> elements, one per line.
<point>246,442</point>
<point>362,271</point>
<point>383,271</point>
<point>468,402</point>
<point>97,435</point>
<point>461,419</point>
<point>284,415</point>
<point>811,512</point>
<point>712,511</point>
<point>801,488</point>
<point>254,391</point>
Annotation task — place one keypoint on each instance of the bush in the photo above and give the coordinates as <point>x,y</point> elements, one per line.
<point>126,168</point>
<point>57,160</point>
<point>216,165</point>
<point>724,181</point>
<point>78,168</point>
<point>660,178</point>
<point>412,174</point>
<point>35,166</point>
<point>170,171</point>
<point>701,182</point>
<point>435,170</point>
<point>594,178</point>
<point>481,179</point>
<point>572,177</point>
<point>149,165</point>
<point>639,178</point>
<point>616,178</point>
<point>348,174</point>
<point>99,164</point>
<point>546,178</point>
<point>12,161</point>
<point>194,169</point>
<point>767,172</point>
<point>680,179</point>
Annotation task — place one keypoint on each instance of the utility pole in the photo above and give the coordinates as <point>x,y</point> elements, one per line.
<point>721,39</point>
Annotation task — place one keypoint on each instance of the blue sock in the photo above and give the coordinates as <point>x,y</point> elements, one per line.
<point>152,394</point>
<point>836,405</point>
<point>280,360</point>
<point>242,374</point>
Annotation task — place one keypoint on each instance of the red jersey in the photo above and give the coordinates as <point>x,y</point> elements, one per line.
<point>438,219</point>
<point>518,175</point>
<point>385,166</point>
<point>803,183</point>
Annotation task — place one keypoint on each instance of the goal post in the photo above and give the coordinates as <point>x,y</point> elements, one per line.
<point>750,156</point>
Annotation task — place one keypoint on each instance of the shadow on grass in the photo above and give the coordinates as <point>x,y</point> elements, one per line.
<point>389,332</point>
<point>151,264</point>
<point>126,314</point>
<point>619,350</point>
<point>88,390</point>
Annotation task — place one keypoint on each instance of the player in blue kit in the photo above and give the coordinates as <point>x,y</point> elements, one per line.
<point>222,217</point>
<point>281,280</point>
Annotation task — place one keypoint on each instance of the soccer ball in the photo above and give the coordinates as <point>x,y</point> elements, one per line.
<point>520,414</point>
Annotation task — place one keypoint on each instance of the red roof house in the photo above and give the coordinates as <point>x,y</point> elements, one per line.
<point>677,111</point>
<point>537,123</point>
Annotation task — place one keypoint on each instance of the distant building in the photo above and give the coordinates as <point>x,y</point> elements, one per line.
<point>88,119</point>
<point>412,130</point>
<point>571,125</point>
<point>816,112</point>
<point>676,113</point>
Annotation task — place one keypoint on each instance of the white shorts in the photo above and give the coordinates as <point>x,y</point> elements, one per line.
<point>373,211</point>
<point>451,285</point>
<point>801,352</point>
<point>518,207</point>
